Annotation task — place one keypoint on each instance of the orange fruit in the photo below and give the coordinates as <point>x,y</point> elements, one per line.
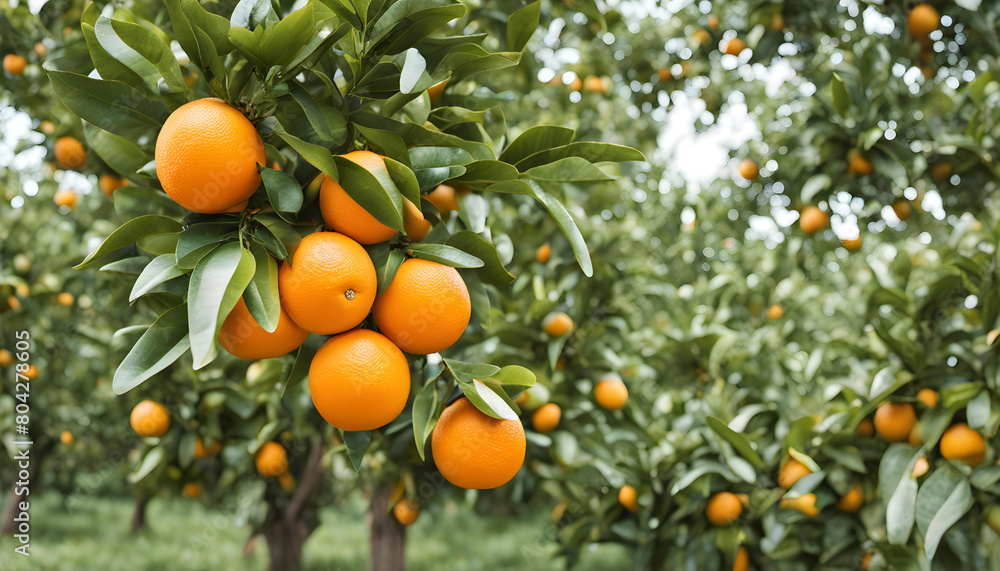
<point>64,299</point>
<point>191,490</point>
<point>735,46</point>
<point>748,169</point>
<point>243,337</point>
<point>201,452</point>
<point>742,562</point>
<point>359,380</point>
<point>560,510</point>
<point>778,22</point>
<point>271,460</point>
<point>14,64</point>
<point>443,198</point>
<point>6,358</point>
<point>286,481</point>
<point>426,307</point>
<point>857,164</point>
<point>902,209</point>
<point>329,286</point>
<point>150,418</point>
<point>928,396</point>
<point>940,172</point>
<point>41,50</point>
<point>65,197</point>
<point>627,497</point>
<point>663,74</point>
<point>914,438</point>
<point>611,393</point>
<point>475,451</point>
<point>853,500</point>
<point>594,84</point>
<point>48,127</point>
<point>406,511</point>
<point>866,560</point>
<point>724,508</point>
<point>962,443</point>
<point>31,373</point>
<point>894,421</point>
<point>344,214</point>
<point>416,226</point>
<point>207,155</point>
<point>434,92</point>
<point>865,428</point>
<point>109,183</point>
<point>920,466</point>
<point>545,419</point>
<point>69,153</point>
<point>13,302</point>
<point>813,220</point>
<point>792,472</point>
<point>701,36</point>
<point>713,21</point>
<point>852,244</point>
<point>66,437</point>
<point>775,312</point>
<point>557,324</point>
<point>543,254</point>
<point>805,503</point>
<point>576,84</point>
<point>521,398</point>
<point>923,20</point>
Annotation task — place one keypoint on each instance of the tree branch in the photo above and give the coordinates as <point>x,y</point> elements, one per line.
<point>310,478</point>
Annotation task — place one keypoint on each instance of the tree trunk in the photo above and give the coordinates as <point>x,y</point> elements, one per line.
<point>388,536</point>
<point>284,544</point>
<point>286,530</point>
<point>139,514</point>
<point>10,511</point>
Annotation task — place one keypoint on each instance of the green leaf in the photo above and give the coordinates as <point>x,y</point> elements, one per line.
<point>159,270</point>
<point>111,105</point>
<point>162,344</point>
<point>217,283</point>
<point>404,179</point>
<point>587,150</point>
<point>386,264</point>
<point>374,191</point>
<point>447,255</point>
<point>521,25</point>
<point>299,370</point>
<point>261,295</point>
<point>357,443</point>
<point>535,140</point>
<point>283,192</point>
<point>408,21</point>
<point>739,442</point>
<point>197,240</point>
<point>468,371</point>
<point>123,156</point>
<point>942,500</point>
<point>492,271</point>
<point>841,99</point>
<point>142,52</point>
<point>487,400</point>
<point>150,462</point>
<point>252,13</point>
<point>427,407</point>
<point>570,169</point>
<point>315,155</point>
<point>568,226</point>
<point>514,375</point>
<point>414,69</point>
<point>130,232</point>
<point>901,510</point>
<point>435,165</point>
<point>482,174</point>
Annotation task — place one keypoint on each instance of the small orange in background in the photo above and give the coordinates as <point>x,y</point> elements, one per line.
<point>543,254</point>
<point>852,500</point>
<point>894,421</point>
<point>929,397</point>
<point>964,444</point>
<point>557,324</point>
<point>286,481</point>
<point>443,198</point>
<point>611,392</point>
<point>64,299</point>
<point>735,46</point>
<point>865,428</point>
<point>940,172</point>
<point>701,36</point>
<point>47,127</point>
<point>14,64</point>
<point>914,438</point>
<point>66,437</point>
<point>628,497</point>
<point>792,472</point>
<point>41,50</point>
<point>191,490</point>
<point>13,303</point>
<point>475,451</point>
<point>576,84</point>
<point>545,419</point>
<point>902,209</point>
<point>920,467</point>
<point>435,91</point>
<point>150,418</point>
<point>207,155</point>
<point>775,312</point>
<point>748,169</point>
<point>426,307</point>
<point>852,244</point>
<point>359,380</point>
<point>858,164</point>
<point>5,358</point>
<point>416,226</point>
<point>329,285</point>
<point>559,511</point>
<point>69,153</point>
<point>713,21</point>
<point>923,20</point>
<point>241,336</point>
<point>812,220</point>
<point>201,452</point>
<point>109,183</point>
<point>271,460</point>
<point>31,373</point>
<point>406,511</point>
<point>778,22</point>
<point>723,509</point>
<point>344,214</point>
<point>805,503</point>
<point>594,84</point>
<point>66,197</point>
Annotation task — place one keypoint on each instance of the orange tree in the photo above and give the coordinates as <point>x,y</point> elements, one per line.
<point>330,171</point>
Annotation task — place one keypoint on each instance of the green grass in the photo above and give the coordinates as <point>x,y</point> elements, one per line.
<point>183,535</point>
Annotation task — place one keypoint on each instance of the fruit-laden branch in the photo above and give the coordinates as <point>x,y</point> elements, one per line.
<point>310,478</point>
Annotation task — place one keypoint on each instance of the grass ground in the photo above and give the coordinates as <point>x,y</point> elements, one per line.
<point>183,535</point>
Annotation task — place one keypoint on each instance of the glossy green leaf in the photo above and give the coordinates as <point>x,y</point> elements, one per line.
<point>217,283</point>
<point>130,232</point>
<point>162,344</point>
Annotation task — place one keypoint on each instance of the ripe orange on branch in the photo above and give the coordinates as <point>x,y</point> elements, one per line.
<point>406,511</point>
<point>344,214</point>
<point>359,380</point>
<point>150,418</point>
<point>611,392</point>
<point>69,153</point>
<point>812,220</point>
<point>923,20</point>
<point>475,451</point>
<point>201,452</point>
<point>66,197</point>
<point>426,307</point>
<point>545,419</point>
<point>557,324</point>
<point>723,509</point>
<point>735,46</point>
<point>964,444</point>
<point>329,285</point>
<point>628,498</point>
<point>748,169</point>
<point>416,226</point>
<point>271,460</point>
<point>894,421</point>
<point>792,472</point>
<point>207,155</point>
<point>243,337</point>
<point>14,64</point>
<point>443,198</point>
